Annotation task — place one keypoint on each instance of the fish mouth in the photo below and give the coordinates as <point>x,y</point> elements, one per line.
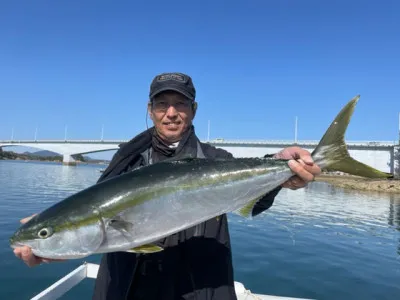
<point>17,244</point>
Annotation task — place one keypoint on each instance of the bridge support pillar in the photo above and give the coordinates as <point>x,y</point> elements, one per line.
<point>392,160</point>
<point>68,160</point>
<point>395,161</point>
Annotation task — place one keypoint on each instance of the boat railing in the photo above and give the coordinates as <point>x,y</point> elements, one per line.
<point>90,270</point>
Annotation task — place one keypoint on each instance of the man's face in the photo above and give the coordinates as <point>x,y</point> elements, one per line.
<point>172,114</point>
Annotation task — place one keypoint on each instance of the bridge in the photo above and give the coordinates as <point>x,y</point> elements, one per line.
<point>379,154</point>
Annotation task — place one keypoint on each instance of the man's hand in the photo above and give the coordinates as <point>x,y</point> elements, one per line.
<point>25,253</point>
<point>301,164</point>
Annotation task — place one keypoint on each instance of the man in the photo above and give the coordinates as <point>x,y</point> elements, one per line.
<point>195,263</point>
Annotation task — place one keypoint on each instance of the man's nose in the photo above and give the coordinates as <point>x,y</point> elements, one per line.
<point>171,111</point>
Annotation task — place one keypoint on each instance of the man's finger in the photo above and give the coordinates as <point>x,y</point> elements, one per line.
<point>18,253</point>
<point>24,220</point>
<point>298,182</point>
<point>305,156</point>
<point>26,255</point>
<point>313,169</point>
<point>300,171</point>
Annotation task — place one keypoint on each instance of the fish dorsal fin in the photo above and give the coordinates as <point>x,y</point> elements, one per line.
<point>246,211</point>
<point>149,248</point>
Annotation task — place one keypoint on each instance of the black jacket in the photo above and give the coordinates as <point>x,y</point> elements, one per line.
<point>195,263</point>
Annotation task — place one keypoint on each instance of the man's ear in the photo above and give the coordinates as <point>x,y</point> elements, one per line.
<point>194,107</point>
<point>149,110</point>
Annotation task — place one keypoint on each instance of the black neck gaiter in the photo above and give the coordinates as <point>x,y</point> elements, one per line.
<point>164,148</point>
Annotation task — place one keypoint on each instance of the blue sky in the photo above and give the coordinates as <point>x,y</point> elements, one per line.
<point>256,65</point>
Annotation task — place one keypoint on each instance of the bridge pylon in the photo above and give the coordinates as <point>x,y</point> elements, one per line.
<point>68,160</point>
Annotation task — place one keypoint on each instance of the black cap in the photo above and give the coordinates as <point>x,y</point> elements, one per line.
<point>177,82</point>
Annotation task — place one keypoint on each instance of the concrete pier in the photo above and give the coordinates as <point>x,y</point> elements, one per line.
<point>68,160</point>
<point>395,163</point>
<point>392,161</point>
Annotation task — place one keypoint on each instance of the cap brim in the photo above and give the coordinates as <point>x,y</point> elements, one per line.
<point>184,93</point>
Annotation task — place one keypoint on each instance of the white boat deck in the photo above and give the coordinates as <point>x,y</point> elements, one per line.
<point>89,270</point>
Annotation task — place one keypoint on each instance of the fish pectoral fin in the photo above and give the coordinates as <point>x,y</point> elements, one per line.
<point>121,225</point>
<point>246,211</point>
<point>150,248</point>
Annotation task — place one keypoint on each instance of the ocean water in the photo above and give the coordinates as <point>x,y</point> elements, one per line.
<point>320,242</point>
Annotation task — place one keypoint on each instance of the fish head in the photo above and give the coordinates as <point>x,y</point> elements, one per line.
<point>60,237</point>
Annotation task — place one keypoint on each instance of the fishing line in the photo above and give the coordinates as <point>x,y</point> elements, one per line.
<point>147,114</point>
<point>147,128</point>
<point>290,228</point>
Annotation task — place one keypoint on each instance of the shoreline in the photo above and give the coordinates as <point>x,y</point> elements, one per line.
<point>57,161</point>
<point>349,182</point>
<point>391,186</point>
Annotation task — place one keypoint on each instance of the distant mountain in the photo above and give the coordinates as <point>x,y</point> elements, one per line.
<point>44,153</point>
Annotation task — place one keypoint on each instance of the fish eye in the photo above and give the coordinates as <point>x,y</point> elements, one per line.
<point>45,233</point>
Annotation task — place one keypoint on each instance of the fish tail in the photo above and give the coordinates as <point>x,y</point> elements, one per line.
<point>332,154</point>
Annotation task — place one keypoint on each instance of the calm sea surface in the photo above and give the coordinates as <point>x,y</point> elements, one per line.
<point>320,242</point>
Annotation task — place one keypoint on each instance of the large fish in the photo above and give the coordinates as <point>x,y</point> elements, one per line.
<point>132,211</point>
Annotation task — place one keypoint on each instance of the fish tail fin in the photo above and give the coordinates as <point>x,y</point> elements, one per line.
<point>332,154</point>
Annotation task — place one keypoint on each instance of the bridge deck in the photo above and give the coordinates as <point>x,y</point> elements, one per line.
<point>213,142</point>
